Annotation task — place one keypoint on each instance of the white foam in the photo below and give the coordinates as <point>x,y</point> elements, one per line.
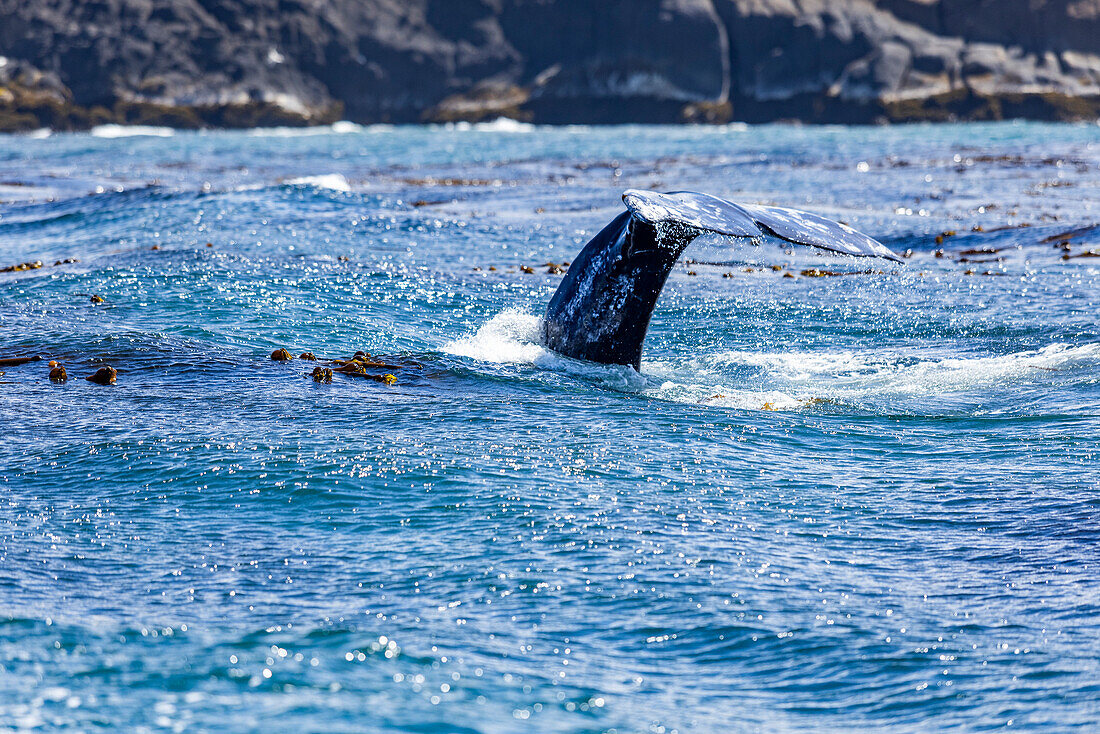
<point>40,134</point>
<point>795,366</point>
<point>702,386</point>
<point>727,397</point>
<point>515,337</point>
<point>787,380</point>
<point>289,132</point>
<point>499,125</point>
<point>798,380</point>
<point>953,374</point>
<point>848,375</point>
<point>511,336</point>
<point>505,125</point>
<point>129,131</point>
<point>343,127</point>
<point>332,181</point>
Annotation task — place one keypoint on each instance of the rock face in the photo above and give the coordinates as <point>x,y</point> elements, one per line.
<point>856,60</point>
<point>190,63</point>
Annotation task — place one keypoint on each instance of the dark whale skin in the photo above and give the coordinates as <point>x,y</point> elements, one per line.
<point>602,308</point>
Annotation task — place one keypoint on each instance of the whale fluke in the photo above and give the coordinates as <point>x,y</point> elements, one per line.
<point>710,214</point>
<point>601,310</point>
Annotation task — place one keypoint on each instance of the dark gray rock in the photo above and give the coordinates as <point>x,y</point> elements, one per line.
<point>73,63</point>
<point>854,60</point>
<point>618,60</point>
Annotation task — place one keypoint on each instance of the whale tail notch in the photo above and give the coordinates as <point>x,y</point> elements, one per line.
<point>602,308</point>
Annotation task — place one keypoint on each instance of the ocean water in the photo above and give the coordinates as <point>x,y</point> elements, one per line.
<point>869,500</point>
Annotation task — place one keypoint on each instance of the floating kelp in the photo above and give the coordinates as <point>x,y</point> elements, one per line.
<point>35,265</point>
<point>16,361</point>
<point>103,376</point>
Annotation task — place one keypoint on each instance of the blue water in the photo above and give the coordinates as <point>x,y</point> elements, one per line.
<point>825,503</point>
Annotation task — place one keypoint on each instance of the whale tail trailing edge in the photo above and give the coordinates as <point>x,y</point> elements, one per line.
<point>602,308</point>
<point>711,214</point>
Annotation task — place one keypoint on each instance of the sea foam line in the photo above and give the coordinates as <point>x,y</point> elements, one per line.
<point>852,373</point>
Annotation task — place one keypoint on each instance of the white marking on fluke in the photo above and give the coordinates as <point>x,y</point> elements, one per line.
<point>711,214</point>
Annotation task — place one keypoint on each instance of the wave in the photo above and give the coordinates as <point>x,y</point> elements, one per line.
<point>343,127</point>
<point>331,181</point>
<point>796,380</point>
<point>128,131</point>
<point>776,380</point>
<point>724,396</point>
<point>515,337</point>
<point>849,374</point>
<point>499,125</point>
<point>84,209</point>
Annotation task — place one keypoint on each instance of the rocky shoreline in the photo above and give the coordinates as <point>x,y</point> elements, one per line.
<point>73,64</point>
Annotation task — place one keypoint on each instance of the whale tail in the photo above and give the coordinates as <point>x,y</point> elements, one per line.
<point>602,308</point>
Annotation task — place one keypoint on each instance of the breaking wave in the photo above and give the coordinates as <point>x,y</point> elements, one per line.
<point>331,181</point>
<point>499,125</point>
<point>129,131</point>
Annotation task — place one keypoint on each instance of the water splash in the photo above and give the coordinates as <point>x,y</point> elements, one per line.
<point>511,336</point>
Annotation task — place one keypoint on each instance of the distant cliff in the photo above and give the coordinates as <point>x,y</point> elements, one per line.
<point>238,63</point>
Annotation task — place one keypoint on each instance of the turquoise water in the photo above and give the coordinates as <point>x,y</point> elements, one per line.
<point>826,503</point>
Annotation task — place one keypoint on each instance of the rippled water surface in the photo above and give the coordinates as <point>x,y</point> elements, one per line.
<point>828,503</point>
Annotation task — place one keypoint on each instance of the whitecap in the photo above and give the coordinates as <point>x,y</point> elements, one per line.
<point>332,181</point>
<point>128,131</point>
<point>343,127</point>
<point>505,125</point>
<point>288,132</point>
<point>499,125</point>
